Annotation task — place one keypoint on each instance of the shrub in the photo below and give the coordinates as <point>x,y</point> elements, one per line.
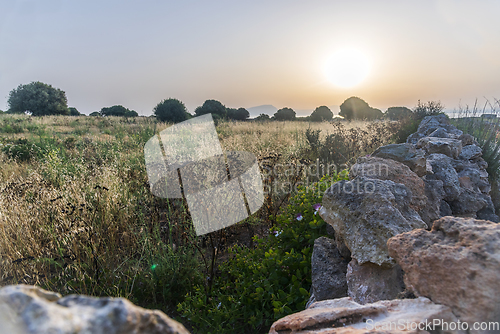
<point>260,285</point>
<point>410,124</point>
<point>171,110</point>
<point>284,114</point>
<point>21,150</point>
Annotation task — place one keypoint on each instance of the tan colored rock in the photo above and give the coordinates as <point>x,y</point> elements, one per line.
<point>31,309</point>
<point>346,316</point>
<point>387,169</point>
<point>366,212</point>
<point>456,264</point>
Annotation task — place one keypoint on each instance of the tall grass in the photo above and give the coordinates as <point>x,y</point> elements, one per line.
<point>77,216</point>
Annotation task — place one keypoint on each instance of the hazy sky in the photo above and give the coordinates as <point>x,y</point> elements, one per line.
<point>137,53</point>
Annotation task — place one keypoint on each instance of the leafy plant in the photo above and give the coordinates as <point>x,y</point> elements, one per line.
<point>257,286</point>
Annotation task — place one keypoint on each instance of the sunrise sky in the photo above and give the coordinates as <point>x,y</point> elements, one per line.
<point>245,54</point>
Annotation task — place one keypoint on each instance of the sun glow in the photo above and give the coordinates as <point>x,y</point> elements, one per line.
<point>347,68</point>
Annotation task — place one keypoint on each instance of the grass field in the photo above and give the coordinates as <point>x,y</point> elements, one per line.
<point>77,215</point>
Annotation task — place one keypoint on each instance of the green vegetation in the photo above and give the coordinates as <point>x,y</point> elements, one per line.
<point>355,108</point>
<point>284,114</point>
<point>321,114</point>
<point>77,216</point>
<point>38,99</point>
<point>257,286</point>
<point>171,110</point>
<point>118,110</point>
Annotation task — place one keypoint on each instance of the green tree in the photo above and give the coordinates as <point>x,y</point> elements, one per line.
<point>171,110</point>
<point>214,107</point>
<point>398,113</point>
<point>38,99</point>
<point>262,118</point>
<point>74,112</point>
<point>239,114</point>
<point>95,113</point>
<point>356,108</point>
<point>284,114</point>
<point>320,114</point>
<point>118,110</point>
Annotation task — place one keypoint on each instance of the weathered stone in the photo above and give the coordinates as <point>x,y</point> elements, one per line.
<point>468,203</point>
<point>387,169</point>
<point>365,213</point>
<point>344,316</point>
<point>431,123</point>
<point>34,310</point>
<point>466,139</point>
<point>443,170</point>
<point>435,193</point>
<point>470,152</point>
<point>447,146</point>
<point>444,209</point>
<point>456,264</point>
<point>404,153</point>
<point>369,282</point>
<point>440,133</point>
<point>329,270</point>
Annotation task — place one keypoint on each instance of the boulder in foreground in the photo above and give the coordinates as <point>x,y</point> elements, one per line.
<point>456,264</point>
<point>30,309</point>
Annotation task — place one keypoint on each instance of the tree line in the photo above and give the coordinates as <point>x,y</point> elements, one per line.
<point>40,99</point>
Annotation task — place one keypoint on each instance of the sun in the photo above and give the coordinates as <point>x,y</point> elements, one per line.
<point>347,68</point>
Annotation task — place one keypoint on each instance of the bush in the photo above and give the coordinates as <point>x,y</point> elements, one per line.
<point>258,286</point>
<point>343,145</point>
<point>284,114</point>
<point>171,110</point>
<point>118,110</point>
<point>21,150</point>
<point>410,124</point>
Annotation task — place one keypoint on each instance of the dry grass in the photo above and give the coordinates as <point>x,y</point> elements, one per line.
<point>78,216</point>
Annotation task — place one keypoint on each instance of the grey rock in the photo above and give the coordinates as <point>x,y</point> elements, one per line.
<point>431,123</point>
<point>369,282</point>
<point>366,212</point>
<point>329,270</point>
<point>34,310</point>
<point>446,146</point>
<point>435,193</point>
<point>455,264</point>
<point>444,209</point>
<point>443,170</point>
<point>470,152</point>
<point>468,203</point>
<point>406,154</point>
<point>440,133</point>
<point>467,139</point>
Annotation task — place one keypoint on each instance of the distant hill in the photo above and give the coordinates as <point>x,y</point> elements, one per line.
<point>263,109</point>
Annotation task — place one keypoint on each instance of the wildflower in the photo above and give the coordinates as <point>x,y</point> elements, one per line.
<point>276,233</point>
<point>299,216</point>
<point>316,207</point>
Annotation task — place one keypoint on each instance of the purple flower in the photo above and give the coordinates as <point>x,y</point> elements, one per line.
<point>299,216</point>
<point>316,207</point>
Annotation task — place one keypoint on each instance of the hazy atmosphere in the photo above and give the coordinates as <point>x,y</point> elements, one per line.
<point>280,53</point>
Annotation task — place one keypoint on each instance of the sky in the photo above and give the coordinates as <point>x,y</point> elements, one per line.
<point>246,54</point>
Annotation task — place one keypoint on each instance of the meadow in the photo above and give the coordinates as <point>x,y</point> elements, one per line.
<point>77,216</point>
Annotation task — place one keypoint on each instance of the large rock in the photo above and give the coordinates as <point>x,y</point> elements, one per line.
<point>432,123</point>
<point>343,316</point>
<point>406,154</point>
<point>435,193</point>
<point>31,309</point>
<point>329,270</point>
<point>456,264</point>
<point>447,146</point>
<point>369,282</point>
<point>387,169</point>
<point>470,152</point>
<point>443,170</point>
<point>366,212</point>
